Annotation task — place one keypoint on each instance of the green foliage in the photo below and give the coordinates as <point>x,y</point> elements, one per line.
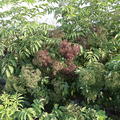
<point>113,75</point>
<point>28,78</point>
<point>11,109</point>
<point>114,64</point>
<point>14,84</point>
<point>86,113</point>
<point>112,83</point>
<point>8,65</point>
<point>29,81</point>
<point>20,35</point>
<point>30,113</point>
<point>9,104</point>
<point>91,80</point>
<point>26,114</point>
<point>61,90</point>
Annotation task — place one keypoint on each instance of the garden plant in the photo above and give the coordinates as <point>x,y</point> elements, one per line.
<point>65,72</point>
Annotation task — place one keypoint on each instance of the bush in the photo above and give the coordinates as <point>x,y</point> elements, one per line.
<point>51,66</point>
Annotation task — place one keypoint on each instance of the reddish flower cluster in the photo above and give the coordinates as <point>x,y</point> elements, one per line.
<point>71,67</point>
<point>68,50</point>
<point>42,58</point>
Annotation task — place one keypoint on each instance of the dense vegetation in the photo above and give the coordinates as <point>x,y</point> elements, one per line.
<point>70,72</point>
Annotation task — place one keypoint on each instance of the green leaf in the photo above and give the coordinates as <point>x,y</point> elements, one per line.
<point>7,72</point>
<point>11,69</point>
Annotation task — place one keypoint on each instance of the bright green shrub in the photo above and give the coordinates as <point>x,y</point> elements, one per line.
<point>34,111</point>
<point>9,104</point>
<point>11,108</point>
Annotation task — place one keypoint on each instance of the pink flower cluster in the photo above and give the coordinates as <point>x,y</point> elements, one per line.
<point>43,58</point>
<point>71,67</point>
<point>69,50</point>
